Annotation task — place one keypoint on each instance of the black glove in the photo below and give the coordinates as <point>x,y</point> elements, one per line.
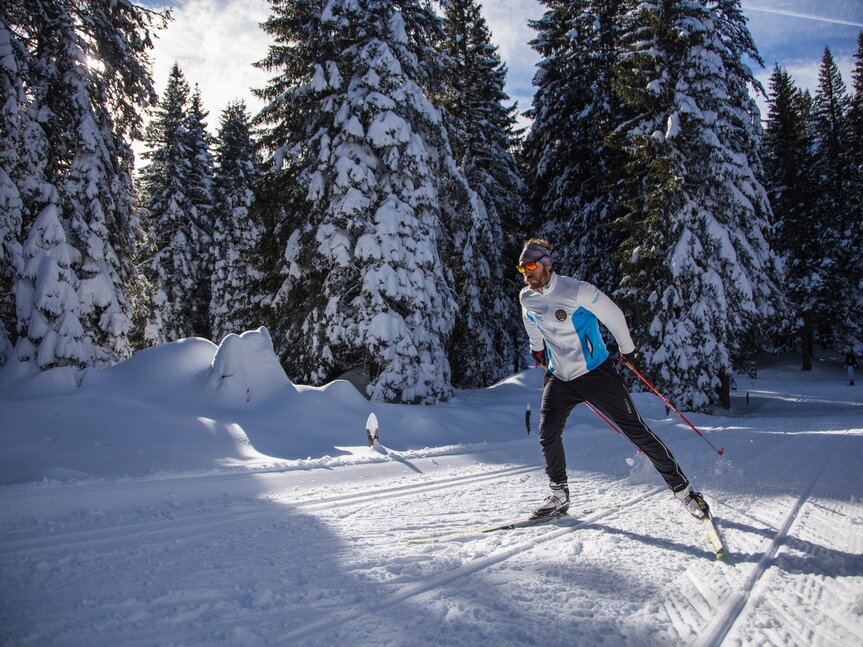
<point>538,357</point>
<point>633,357</point>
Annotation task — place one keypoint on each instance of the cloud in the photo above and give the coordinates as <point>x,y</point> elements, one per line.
<point>508,22</point>
<point>841,9</point>
<point>215,42</point>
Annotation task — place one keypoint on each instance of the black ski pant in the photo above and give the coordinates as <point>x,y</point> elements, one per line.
<point>605,389</point>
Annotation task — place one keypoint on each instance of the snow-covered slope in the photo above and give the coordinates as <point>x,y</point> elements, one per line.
<point>191,406</point>
<point>197,497</point>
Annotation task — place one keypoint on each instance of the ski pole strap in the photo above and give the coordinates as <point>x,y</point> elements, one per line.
<point>629,365</point>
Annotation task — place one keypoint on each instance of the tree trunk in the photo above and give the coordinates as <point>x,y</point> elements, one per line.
<point>806,343</point>
<point>725,389</point>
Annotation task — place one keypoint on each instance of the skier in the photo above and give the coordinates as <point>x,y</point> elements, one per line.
<point>561,316</point>
<point>851,364</point>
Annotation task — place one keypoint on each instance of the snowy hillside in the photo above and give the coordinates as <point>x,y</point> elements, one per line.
<point>193,495</point>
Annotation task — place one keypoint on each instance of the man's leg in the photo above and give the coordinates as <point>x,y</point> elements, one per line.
<point>558,400</point>
<point>606,389</point>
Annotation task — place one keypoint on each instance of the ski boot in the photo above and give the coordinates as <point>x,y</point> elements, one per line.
<point>693,502</point>
<point>555,504</point>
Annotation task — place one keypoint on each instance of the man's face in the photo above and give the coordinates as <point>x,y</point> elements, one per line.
<point>536,275</point>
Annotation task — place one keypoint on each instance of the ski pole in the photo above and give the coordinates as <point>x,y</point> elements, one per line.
<point>603,418</point>
<point>608,422</point>
<point>589,406</point>
<point>629,365</point>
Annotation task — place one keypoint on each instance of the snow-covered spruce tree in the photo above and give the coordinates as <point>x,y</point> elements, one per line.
<point>170,259</point>
<point>575,111</point>
<point>700,282</point>
<point>835,179</point>
<point>855,115</point>
<point>16,168</point>
<point>358,161</point>
<point>84,82</point>
<point>47,299</point>
<point>96,194</point>
<point>24,160</point>
<point>487,132</point>
<point>482,135</point>
<point>789,184</point>
<point>854,340</point>
<point>199,189</point>
<point>235,235</point>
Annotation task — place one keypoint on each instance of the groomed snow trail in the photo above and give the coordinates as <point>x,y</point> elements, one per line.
<point>320,556</point>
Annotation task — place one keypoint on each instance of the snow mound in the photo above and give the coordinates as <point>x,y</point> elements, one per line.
<point>23,380</point>
<point>245,369</point>
<point>154,373</point>
<point>342,393</point>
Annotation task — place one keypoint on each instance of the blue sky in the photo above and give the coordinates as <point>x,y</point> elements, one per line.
<point>794,33</point>
<point>216,41</point>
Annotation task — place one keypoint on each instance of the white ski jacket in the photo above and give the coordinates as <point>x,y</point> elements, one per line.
<point>565,315</point>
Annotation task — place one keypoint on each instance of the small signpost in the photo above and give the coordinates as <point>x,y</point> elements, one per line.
<point>372,429</point>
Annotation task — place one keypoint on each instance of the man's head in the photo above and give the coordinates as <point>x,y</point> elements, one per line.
<point>536,263</point>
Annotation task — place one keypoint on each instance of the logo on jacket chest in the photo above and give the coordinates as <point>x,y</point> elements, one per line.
<point>560,315</point>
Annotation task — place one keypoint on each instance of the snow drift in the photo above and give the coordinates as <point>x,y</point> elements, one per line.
<point>192,406</point>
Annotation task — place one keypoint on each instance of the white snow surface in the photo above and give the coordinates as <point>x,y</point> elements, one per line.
<point>193,495</point>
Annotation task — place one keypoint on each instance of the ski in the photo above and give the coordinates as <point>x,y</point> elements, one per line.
<point>709,521</point>
<point>481,530</point>
<point>715,539</point>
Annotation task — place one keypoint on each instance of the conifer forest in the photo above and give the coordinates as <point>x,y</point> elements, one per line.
<point>371,215</point>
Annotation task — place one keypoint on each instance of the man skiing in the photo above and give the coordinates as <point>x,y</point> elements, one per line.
<point>561,315</point>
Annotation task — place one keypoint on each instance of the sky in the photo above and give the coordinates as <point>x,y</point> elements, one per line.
<point>216,41</point>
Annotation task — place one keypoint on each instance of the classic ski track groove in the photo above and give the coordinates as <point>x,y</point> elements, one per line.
<point>206,520</point>
<point>443,579</point>
<point>25,500</point>
<point>408,490</point>
<point>733,607</point>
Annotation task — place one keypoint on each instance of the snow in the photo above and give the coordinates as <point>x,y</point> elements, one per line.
<point>245,368</point>
<point>194,495</point>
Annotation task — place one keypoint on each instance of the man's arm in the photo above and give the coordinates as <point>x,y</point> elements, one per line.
<point>533,333</point>
<point>606,310</point>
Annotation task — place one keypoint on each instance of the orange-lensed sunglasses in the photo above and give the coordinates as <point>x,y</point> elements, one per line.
<point>529,265</point>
